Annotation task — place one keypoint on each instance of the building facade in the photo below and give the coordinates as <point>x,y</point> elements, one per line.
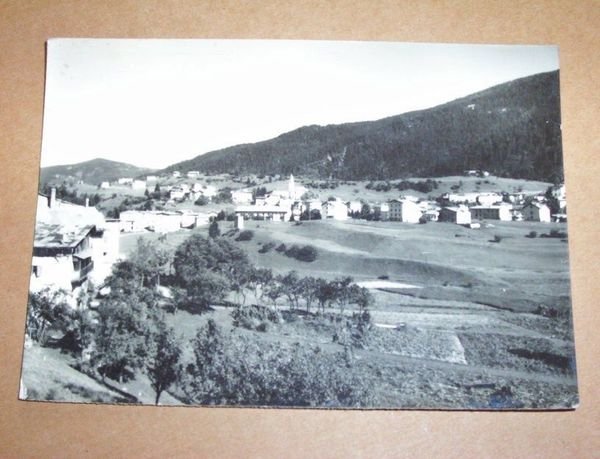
<point>460,215</point>
<point>405,211</point>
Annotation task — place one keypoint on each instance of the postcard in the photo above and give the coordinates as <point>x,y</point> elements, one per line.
<point>319,224</point>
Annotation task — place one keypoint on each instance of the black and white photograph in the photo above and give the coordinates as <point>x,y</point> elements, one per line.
<point>310,224</point>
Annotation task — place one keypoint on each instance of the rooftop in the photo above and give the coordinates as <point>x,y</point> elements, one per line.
<point>262,209</point>
<point>60,235</point>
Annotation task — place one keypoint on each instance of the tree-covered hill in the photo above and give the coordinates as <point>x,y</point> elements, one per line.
<point>93,172</point>
<point>512,129</point>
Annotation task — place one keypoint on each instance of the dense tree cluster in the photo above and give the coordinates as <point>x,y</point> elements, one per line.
<point>234,370</point>
<point>207,269</point>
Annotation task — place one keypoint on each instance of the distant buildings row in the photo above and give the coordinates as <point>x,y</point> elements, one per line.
<point>285,205</point>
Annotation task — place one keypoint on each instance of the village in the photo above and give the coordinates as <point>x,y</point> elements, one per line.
<point>91,241</point>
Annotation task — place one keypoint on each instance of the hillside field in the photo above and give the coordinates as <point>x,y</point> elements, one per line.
<point>457,321</point>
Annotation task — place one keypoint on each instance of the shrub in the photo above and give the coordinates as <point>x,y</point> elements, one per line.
<point>255,317</point>
<point>532,234</point>
<point>558,234</point>
<point>281,248</point>
<point>245,235</point>
<point>267,247</point>
<point>306,253</point>
<point>497,238</point>
<point>555,234</point>
<point>201,201</point>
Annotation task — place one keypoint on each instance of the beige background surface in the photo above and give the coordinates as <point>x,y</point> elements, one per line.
<point>61,430</point>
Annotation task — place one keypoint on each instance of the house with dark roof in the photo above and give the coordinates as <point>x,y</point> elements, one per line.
<point>536,212</point>
<point>461,215</point>
<point>71,244</point>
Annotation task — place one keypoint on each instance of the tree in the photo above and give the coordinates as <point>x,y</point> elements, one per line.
<point>207,268</point>
<point>124,278</point>
<point>150,259</point>
<point>274,291</point>
<point>161,365</point>
<point>309,286</point>
<point>47,310</point>
<point>199,253</point>
<point>326,292</point>
<point>291,287</point>
<point>258,279</point>
<point>361,296</point>
<point>119,344</point>
<point>156,194</point>
<point>207,376</point>
<point>213,229</point>
<point>204,288</point>
<point>342,292</point>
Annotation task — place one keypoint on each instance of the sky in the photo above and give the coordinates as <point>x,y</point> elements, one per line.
<point>153,103</point>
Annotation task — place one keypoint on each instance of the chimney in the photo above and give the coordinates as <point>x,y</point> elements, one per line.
<point>52,201</point>
<point>87,202</point>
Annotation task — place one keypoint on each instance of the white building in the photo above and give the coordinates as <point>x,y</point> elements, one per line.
<point>270,213</point>
<point>241,196</point>
<point>336,210</point>
<point>403,210</point>
<point>72,244</point>
<point>461,215</point>
<point>193,174</point>
<point>125,181</point>
<point>104,185</point>
<point>431,215</point>
<point>160,221</point>
<point>138,184</point>
<point>536,212</point>
<point>488,199</point>
<point>209,191</point>
<point>176,174</point>
<point>498,212</point>
<point>194,219</point>
<point>177,193</point>
<point>465,198</point>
